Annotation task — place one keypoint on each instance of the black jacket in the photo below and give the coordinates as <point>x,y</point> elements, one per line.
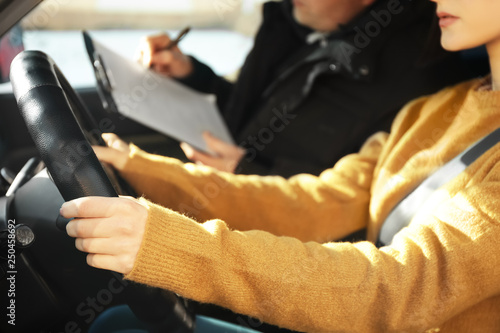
<point>299,107</point>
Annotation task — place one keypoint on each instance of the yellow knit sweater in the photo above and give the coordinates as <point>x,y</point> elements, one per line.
<point>269,258</point>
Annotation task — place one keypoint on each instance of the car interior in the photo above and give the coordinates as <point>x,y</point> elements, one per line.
<point>46,129</point>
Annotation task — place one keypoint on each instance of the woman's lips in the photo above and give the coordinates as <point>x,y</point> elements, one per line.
<point>446,19</point>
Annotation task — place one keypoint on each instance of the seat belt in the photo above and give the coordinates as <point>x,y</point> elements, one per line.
<point>407,208</point>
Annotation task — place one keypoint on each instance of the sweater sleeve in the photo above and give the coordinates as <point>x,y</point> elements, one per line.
<point>283,166</point>
<point>419,282</point>
<point>305,207</point>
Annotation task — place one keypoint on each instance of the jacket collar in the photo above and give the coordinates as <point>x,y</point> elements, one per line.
<point>355,46</point>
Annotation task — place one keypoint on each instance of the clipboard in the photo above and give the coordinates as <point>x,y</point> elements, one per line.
<point>154,100</point>
<point>103,83</point>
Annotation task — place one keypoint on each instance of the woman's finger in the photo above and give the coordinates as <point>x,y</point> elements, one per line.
<point>90,227</point>
<point>109,262</point>
<point>89,207</point>
<point>97,246</point>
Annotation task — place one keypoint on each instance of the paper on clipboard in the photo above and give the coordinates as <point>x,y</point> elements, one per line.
<point>159,102</point>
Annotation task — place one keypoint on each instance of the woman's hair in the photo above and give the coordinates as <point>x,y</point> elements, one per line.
<point>433,51</point>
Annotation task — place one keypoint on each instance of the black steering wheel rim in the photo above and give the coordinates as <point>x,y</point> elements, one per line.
<point>54,116</point>
<point>49,114</point>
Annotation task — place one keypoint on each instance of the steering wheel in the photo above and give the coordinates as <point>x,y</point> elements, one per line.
<point>50,119</point>
<point>56,120</point>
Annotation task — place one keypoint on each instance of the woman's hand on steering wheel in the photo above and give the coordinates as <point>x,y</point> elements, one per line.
<point>109,229</point>
<point>115,154</point>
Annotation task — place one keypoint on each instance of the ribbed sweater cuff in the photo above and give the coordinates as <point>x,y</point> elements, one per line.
<point>169,256</point>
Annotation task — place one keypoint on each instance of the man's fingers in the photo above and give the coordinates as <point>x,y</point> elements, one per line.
<point>218,146</point>
<point>204,158</point>
<point>164,62</point>
<point>187,149</point>
<point>163,58</point>
<point>213,143</point>
<point>221,148</point>
<point>156,42</point>
<point>226,160</point>
<point>196,155</point>
<point>149,45</point>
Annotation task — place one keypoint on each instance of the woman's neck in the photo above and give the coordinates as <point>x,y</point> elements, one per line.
<point>494,56</point>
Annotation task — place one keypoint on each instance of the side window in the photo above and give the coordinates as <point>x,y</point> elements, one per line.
<point>10,45</point>
<point>221,35</point>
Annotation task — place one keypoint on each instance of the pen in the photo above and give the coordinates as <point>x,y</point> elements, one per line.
<point>176,41</point>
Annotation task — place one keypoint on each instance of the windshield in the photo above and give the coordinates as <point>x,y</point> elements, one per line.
<point>221,34</point>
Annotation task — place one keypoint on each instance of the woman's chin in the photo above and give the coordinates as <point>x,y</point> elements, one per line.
<point>452,45</point>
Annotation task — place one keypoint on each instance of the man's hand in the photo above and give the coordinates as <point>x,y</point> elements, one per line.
<point>109,229</point>
<point>227,155</point>
<point>172,62</point>
<point>115,154</point>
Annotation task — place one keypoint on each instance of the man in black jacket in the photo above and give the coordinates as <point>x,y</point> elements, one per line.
<point>323,75</point>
